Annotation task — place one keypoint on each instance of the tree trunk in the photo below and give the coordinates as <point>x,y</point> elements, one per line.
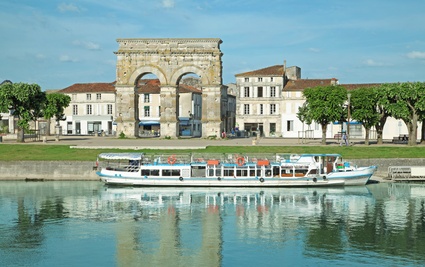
<point>20,138</point>
<point>324,129</point>
<point>413,130</point>
<point>423,132</point>
<point>366,140</point>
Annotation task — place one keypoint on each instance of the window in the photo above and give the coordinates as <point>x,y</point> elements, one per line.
<point>272,108</point>
<point>260,92</point>
<point>271,79</point>
<point>147,98</point>
<point>147,111</point>
<point>89,110</point>
<point>289,126</point>
<point>272,91</point>
<point>272,127</point>
<point>246,109</point>
<point>109,108</point>
<point>260,79</point>
<point>88,96</point>
<point>246,91</point>
<point>74,109</point>
<point>261,109</point>
<point>98,96</point>
<point>246,80</point>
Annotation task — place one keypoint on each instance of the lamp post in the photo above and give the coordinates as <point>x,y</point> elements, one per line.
<point>348,118</point>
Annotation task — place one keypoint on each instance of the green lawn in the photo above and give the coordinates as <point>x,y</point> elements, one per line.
<point>15,152</point>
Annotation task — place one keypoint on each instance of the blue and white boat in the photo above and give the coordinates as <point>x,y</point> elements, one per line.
<point>230,170</point>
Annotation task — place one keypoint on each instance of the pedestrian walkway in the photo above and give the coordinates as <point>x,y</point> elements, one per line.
<point>161,143</point>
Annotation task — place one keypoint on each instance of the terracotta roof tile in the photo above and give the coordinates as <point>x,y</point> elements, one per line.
<point>301,84</point>
<point>276,70</point>
<point>89,88</point>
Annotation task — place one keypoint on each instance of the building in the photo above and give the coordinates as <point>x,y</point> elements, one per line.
<point>92,109</point>
<point>268,100</point>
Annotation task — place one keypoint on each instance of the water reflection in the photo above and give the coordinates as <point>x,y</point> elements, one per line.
<point>211,226</point>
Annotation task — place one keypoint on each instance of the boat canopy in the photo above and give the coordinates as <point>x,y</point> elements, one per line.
<point>119,156</point>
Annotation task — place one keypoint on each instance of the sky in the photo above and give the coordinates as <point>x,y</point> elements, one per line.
<point>59,43</point>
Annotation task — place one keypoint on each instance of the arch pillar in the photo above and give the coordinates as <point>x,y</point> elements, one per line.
<point>169,113</point>
<point>127,102</point>
<point>211,111</point>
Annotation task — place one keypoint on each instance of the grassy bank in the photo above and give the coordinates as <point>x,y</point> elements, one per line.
<point>12,152</point>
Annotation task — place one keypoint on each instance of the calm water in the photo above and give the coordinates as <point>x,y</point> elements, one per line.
<point>88,224</point>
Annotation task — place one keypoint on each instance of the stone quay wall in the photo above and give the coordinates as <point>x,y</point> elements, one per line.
<point>85,170</point>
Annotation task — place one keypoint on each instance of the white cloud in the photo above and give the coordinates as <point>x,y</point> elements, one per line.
<point>87,45</point>
<point>66,58</point>
<point>416,55</point>
<point>63,7</point>
<point>314,50</point>
<point>373,63</point>
<point>168,3</point>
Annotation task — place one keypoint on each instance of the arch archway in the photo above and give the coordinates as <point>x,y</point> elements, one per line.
<point>169,60</point>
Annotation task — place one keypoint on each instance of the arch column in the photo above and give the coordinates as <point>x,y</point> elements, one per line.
<point>169,111</point>
<point>211,111</point>
<point>127,102</point>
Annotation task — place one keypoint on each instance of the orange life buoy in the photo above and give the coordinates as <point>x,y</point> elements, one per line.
<point>240,161</point>
<point>171,159</point>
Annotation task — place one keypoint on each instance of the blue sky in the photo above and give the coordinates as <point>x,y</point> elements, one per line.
<point>58,43</point>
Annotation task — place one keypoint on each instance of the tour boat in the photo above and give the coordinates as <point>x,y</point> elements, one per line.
<point>230,170</point>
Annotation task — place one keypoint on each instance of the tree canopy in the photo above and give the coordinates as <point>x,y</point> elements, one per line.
<point>55,106</point>
<point>363,104</point>
<point>325,104</point>
<point>25,101</point>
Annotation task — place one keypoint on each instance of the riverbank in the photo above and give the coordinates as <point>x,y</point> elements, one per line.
<point>86,171</point>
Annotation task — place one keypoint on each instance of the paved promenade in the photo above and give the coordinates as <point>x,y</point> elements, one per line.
<point>187,143</point>
<point>161,143</point>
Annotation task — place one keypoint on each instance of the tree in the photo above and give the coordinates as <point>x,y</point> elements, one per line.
<point>55,106</point>
<point>325,104</point>
<point>363,104</point>
<point>25,101</point>
<point>406,101</point>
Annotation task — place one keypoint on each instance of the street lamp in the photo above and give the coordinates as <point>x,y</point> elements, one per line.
<point>348,118</point>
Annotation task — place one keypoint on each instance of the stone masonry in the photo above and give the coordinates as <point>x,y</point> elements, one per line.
<point>168,59</point>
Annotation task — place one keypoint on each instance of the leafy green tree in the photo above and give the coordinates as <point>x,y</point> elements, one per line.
<point>25,101</point>
<point>363,104</point>
<point>382,98</point>
<point>55,106</point>
<point>304,116</point>
<point>325,104</point>
<point>406,101</point>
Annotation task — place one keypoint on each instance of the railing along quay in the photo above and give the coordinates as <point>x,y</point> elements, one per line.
<point>406,173</point>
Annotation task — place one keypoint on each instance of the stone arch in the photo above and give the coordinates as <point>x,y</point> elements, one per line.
<point>169,59</point>
<point>148,69</point>
<point>176,76</point>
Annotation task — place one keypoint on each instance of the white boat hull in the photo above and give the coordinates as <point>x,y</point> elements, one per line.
<point>305,171</point>
<point>223,182</point>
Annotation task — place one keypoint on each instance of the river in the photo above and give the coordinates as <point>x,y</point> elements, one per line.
<point>61,223</point>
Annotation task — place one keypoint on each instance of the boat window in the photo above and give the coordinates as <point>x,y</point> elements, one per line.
<point>275,172</point>
<point>241,172</point>
<point>227,172</point>
<point>210,172</point>
<point>258,172</point>
<point>218,172</point>
<point>175,172</point>
<point>166,172</point>
<point>150,172</point>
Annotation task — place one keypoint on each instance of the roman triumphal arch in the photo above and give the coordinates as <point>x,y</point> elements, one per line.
<point>168,59</point>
